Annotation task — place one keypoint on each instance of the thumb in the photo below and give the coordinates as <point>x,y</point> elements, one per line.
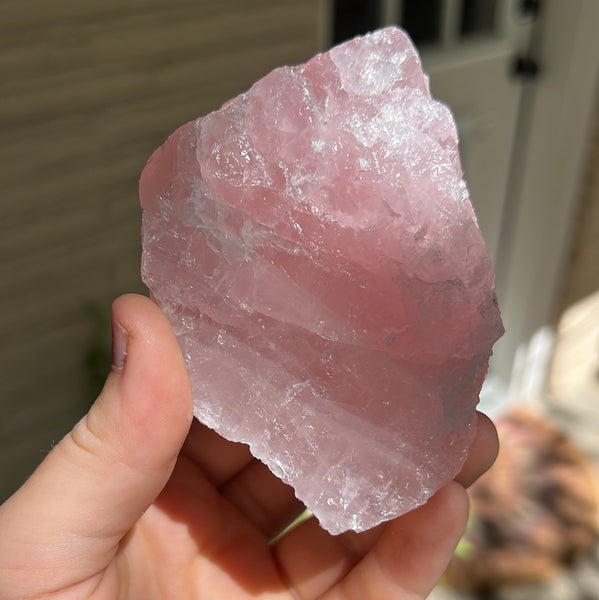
<point>67,520</point>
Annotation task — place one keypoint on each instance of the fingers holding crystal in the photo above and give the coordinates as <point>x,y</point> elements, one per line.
<point>482,453</point>
<point>401,559</point>
<point>412,553</point>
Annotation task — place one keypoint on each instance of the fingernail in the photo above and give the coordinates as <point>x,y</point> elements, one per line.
<point>120,337</point>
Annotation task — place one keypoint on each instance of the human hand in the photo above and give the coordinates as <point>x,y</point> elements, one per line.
<point>131,505</point>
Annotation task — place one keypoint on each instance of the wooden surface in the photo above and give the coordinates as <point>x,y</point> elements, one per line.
<point>87,91</point>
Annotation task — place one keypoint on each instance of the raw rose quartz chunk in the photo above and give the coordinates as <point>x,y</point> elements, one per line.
<point>314,248</point>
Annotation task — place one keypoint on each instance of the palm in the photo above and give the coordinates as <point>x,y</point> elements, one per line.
<point>195,541</point>
<point>208,533</point>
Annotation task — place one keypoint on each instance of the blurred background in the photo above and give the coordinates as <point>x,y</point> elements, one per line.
<point>89,89</point>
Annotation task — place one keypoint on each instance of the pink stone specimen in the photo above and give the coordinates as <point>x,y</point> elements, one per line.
<point>314,248</point>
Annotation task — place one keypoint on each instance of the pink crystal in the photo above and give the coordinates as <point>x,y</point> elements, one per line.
<point>314,248</point>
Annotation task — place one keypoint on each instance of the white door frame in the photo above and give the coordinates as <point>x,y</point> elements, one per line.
<point>545,187</point>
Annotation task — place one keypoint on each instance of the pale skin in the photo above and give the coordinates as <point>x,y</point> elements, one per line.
<point>139,503</point>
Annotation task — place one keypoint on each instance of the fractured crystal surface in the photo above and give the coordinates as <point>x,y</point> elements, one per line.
<point>314,247</point>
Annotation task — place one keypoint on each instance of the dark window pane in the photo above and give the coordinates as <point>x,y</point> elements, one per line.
<point>422,20</point>
<point>478,17</point>
<point>354,17</point>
